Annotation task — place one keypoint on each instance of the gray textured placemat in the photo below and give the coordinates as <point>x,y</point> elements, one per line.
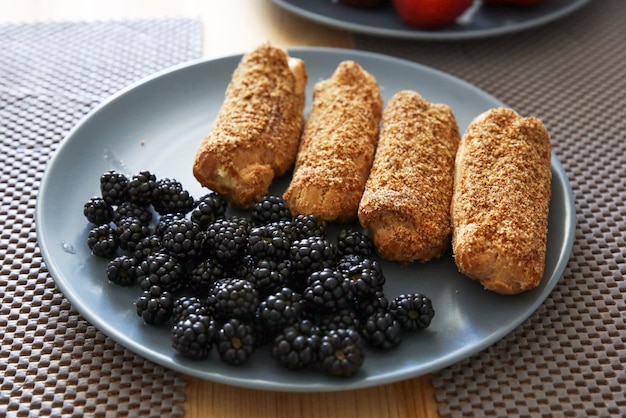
<point>52,362</point>
<point>568,358</point>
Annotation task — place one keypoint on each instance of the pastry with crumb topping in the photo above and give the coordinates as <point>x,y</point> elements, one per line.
<point>337,145</point>
<point>501,199</point>
<point>406,202</point>
<point>257,131</point>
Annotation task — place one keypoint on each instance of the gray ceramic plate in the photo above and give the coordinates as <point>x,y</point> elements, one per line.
<point>477,22</point>
<point>157,124</point>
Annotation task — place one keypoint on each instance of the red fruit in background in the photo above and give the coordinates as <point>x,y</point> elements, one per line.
<point>363,3</point>
<point>513,2</point>
<point>430,14</point>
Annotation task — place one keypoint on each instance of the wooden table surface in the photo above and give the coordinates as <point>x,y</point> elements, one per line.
<point>236,26</point>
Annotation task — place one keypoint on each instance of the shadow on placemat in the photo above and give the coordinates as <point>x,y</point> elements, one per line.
<point>52,362</point>
<point>568,358</point>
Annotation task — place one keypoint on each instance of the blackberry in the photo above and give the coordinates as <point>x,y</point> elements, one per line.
<point>345,263</point>
<point>242,268</point>
<point>113,187</point>
<point>122,270</point>
<point>297,346</point>
<point>227,239</point>
<point>311,254</point>
<point>183,239</point>
<point>193,336</point>
<point>365,278</point>
<point>307,226</point>
<point>102,241</point>
<point>354,242</point>
<point>269,276</point>
<point>97,211</point>
<point>341,352</point>
<point>209,208</point>
<point>369,305</point>
<point>345,318</point>
<point>147,246</point>
<point>270,209</point>
<point>327,291</point>
<point>130,232</point>
<point>288,228</point>
<point>413,311</point>
<point>171,197</point>
<point>233,298</point>
<point>187,305</point>
<point>155,305</point>
<point>235,341</point>
<point>165,221</point>
<point>382,330</point>
<point>204,275</point>
<point>242,222</point>
<point>161,269</point>
<point>140,188</point>
<point>268,242</point>
<point>132,210</point>
<point>280,309</point>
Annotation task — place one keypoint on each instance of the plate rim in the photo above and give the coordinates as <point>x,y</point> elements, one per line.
<point>139,349</point>
<point>424,35</point>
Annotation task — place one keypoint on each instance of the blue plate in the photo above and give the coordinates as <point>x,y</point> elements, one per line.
<point>157,125</point>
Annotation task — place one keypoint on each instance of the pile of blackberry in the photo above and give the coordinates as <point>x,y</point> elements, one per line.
<point>229,284</point>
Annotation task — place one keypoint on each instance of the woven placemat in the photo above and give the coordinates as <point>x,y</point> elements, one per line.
<point>52,362</point>
<point>568,358</point>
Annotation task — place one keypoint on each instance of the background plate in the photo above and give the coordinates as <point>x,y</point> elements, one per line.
<point>157,124</point>
<point>478,22</point>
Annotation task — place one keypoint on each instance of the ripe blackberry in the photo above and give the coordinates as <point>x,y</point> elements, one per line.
<point>235,341</point>
<point>165,221</point>
<point>102,241</point>
<point>268,242</point>
<point>288,228</point>
<point>345,318</point>
<point>132,210</point>
<point>97,211</point>
<point>296,347</point>
<point>130,232</point>
<point>242,268</point>
<point>147,246</point>
<point>140,188</point>
<point>307,226</point>
<point>122,270</point>
<point>204,275</point>
<point>171,197</point>
<point>381,330</point>
<point>311,254</point>
<point>270,209</point>
<point>163,270</point>
<point>193,336</point>
<point>155,305</point>
<point>269,276</point>
<point>368,305</point>
<point>354,242</point>
<point>233,298</point>
<point>413,311</point>
<point>327,291</point>
<point>280,309</point>
<point>187,305</point>
<point>113,187</point>
<point>227,239</point>
<point>209,208</point>
<point>183,239</point>
<point>365,278</point>
<point>341,352</point>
